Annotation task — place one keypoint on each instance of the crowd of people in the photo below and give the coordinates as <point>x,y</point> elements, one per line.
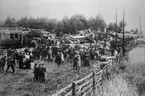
<point>12,58</point>
<point>78,55</point>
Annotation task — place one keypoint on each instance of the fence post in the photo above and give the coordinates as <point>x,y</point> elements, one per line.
<point>74,89</point>
<point>94,83</point>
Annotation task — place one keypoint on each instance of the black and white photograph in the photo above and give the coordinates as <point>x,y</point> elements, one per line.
<point>72,48</point>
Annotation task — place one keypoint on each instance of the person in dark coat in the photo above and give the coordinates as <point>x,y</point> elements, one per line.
<point>20,59</point>
<point>10,63</point>
<point>38,73</point>
<point>42,73</point>
<point>71,55</point>
<point>2,63</point>
<point>86,60</point>
<point>44,54</point>
<point>34,71</point>
<point>16,54</point>
<point>58,59</point>
<point>75,65</point>
<point>112,51</point>
<point>82,58</point>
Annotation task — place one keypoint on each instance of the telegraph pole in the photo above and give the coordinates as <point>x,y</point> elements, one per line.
<point>116,29</point>
<point>123,32</point>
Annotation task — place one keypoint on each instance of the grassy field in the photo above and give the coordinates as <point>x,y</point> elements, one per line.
<point>21,83</point>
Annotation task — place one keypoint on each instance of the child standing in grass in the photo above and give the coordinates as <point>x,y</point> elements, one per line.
<point>35,75</point>
<point>42,73</point>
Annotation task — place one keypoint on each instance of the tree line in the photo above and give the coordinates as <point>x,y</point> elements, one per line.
<point>68,25</point>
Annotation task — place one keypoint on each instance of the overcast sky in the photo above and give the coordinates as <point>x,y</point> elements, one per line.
<point>59,8</point>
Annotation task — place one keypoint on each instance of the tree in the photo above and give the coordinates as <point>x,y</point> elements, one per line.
<point>97,23</point>
<point>116,28</point>
<point>59,28</point>
<point>112,27</point>
<point>51,25</point>
<point>23,22</point>
<point>77,22</point>
<point>10,22</point>
<point>66,25</point>
<point>1,23</point>
<point>121,26</point>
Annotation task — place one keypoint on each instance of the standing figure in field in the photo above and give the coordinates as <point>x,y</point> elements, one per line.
<point>34,71</point>
<point>79,59</point>
<point>10,63</point>
<point>58,59</point>
<point>21,56</point>
<point>44,54</point>
<point>75,65</point>
<point>2,63</point>
<point>86,60</point>
<point>42,73</point>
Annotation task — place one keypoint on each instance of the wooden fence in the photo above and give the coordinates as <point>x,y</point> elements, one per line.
<point>87,85</point>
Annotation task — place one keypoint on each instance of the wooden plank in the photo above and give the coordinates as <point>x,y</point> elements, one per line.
<point>68,94</point>
<point>81,86</point>
<point>98,73</point>
<point>62,90</point>
<point>90,86</point>
<point>88,76</point>
<point>98,80</point>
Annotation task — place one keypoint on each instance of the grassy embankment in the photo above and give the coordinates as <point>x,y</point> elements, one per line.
<point>128,78</point>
